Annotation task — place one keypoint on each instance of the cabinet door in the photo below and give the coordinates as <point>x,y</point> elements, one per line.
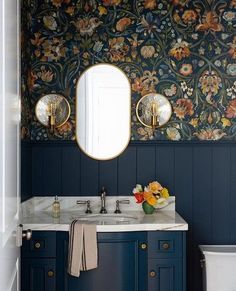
<point>165,275</point>
<point>38,275</point>
<point>121,265</point>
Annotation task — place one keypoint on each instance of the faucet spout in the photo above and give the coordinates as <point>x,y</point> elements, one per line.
<point>103,200</point>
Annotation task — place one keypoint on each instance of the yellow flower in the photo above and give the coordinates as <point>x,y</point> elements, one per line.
<point>155,187</point>
<point>225,121</point>
<point>102,10</point>
<point>152,200</point>
<point>165,193</point>
<point>194,122</point>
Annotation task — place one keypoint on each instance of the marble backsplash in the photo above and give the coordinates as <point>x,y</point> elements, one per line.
<point>39,204</point>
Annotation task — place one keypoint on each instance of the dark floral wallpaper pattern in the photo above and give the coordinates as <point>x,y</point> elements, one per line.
<point>185,50</point>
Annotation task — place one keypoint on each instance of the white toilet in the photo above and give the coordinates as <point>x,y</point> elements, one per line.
<point>219,267</point>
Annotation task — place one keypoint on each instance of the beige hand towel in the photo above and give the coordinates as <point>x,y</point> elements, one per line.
<point>82,252</point>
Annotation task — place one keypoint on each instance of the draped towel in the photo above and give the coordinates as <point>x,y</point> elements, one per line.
<point>82,252</point>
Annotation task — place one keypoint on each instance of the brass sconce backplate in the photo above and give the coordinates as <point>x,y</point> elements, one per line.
<point>52,110</point>
<point>153,110</point>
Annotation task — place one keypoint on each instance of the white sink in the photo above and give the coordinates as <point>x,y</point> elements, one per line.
<point>106,218</point>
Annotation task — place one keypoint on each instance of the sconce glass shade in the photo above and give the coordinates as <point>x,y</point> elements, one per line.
<point>58,104</point>
<point>153,110</point>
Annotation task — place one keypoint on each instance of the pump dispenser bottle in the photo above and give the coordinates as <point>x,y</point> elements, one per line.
<point>56,208</point>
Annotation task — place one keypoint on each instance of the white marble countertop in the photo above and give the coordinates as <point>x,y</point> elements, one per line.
<point>36,215</point>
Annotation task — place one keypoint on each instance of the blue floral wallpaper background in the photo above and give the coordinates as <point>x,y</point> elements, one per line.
<point>185,50</point>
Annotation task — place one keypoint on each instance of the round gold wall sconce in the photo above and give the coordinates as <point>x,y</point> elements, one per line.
<point>153,110</point>
<point>52,110</point>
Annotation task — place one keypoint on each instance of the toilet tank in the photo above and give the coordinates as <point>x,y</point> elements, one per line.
<point>219,267</point>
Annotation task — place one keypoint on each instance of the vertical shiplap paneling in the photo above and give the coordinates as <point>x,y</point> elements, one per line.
<point>52,179</point>
<point>37,170</point>
<point>108,176</point>
<point>165,166</point>
<point>89,176</point>
<point>26,171</point>
<point>202,194</point>
<point>70,168</point>
<point>232,219</point>
<point>146,164</point>
<point>200,232</point>
<point>221,194</point>
<point>127,171</point>
<point>183,167</point>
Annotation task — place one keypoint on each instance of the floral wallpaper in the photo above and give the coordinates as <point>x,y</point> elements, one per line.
<point>185,50</point>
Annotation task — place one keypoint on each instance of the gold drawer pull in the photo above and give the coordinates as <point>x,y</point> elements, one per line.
<point>50,273</point>
<point>143,246</point>
<point>37,245</point>
<point>166,246</point>
<point>152,274</point>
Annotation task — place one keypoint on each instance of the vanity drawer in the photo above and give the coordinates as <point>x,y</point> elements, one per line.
<point>165,244</point>
<point>42,244</point>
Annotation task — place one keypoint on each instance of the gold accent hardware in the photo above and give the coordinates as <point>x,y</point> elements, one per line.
<point>153,110</point>
<point>166,246</point>
<point>37,245</point>
<point>152,274</point>
<point>50,273</point>
<point>143,246</point>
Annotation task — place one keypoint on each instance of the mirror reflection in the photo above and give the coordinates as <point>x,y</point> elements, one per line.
<point>103,109</point>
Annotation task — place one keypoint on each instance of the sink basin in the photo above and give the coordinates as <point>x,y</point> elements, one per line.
<point>106,218</point>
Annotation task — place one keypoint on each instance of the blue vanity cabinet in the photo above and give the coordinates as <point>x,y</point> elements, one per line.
<point>166,261</point>
<point>122,264</point>
<point>38,262</point>
<point>127,261</point>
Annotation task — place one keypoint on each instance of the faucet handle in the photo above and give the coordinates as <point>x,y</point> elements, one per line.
<point>88,210</point>
<point>118,202</point>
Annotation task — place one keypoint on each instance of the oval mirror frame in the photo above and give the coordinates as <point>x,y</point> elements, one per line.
<point>121,113</point>
<point>164,109</point>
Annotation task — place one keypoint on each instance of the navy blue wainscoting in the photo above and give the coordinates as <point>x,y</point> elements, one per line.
<point>201,175</point>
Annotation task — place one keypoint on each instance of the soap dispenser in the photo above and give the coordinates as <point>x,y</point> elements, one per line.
<point>56,208</point>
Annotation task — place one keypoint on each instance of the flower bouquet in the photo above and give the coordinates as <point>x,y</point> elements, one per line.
<point>151,196</point>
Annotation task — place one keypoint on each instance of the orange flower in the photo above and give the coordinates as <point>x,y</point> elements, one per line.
<point>155,187</point>
<point>183,107</point>
<point>123,23</point>
<point>180,50</point>
<point>186,70</point>
<point>189,16</point>
<point>147,195</point>
<point>111,2</point>
<point>150,4</point>
<point>210,134</point>
<point>150,198</point>
<point>180,2</point>
<point>231,109</point>
<point>233,4</point>
<point>210,22</point>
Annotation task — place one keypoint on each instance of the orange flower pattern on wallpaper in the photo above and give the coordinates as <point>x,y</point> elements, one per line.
<point>185,50</point>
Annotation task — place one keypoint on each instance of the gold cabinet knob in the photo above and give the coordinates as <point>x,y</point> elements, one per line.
<point>143,246</point>
<point>152,274</point>
<point>166,246</point>
<point>37,245</point>
<point>50,273</point>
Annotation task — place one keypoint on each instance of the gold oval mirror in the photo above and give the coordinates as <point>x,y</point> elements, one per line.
<point>153,110</point>
<point>103,111</point>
